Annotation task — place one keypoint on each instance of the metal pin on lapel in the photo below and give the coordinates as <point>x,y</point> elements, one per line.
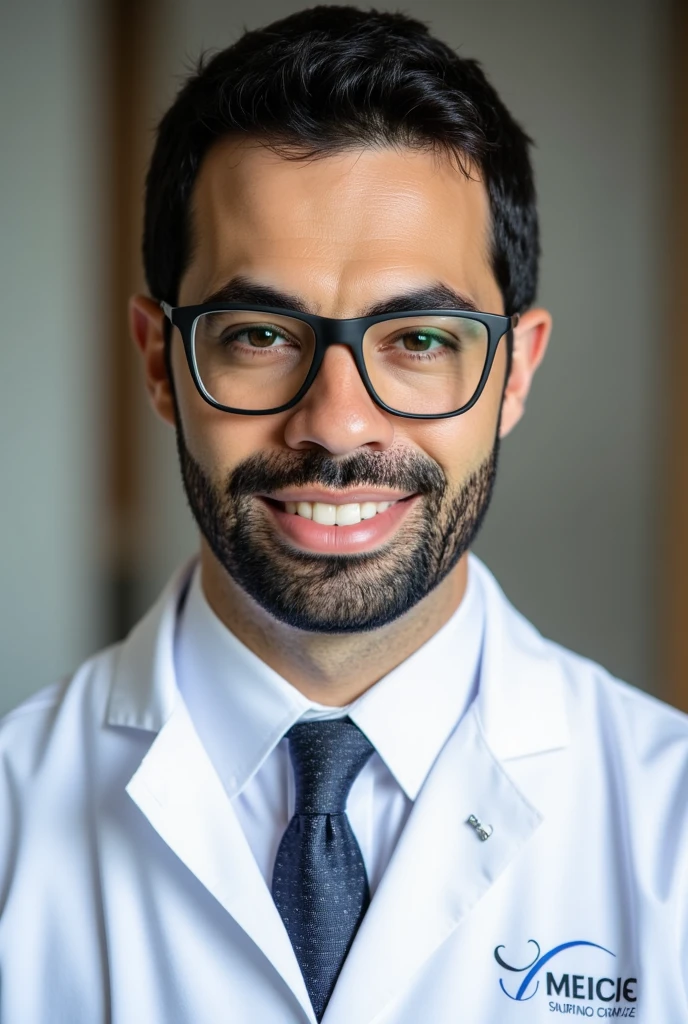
<point>484,831</point>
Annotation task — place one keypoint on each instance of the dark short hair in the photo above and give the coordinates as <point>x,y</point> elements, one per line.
<point>332,78</point>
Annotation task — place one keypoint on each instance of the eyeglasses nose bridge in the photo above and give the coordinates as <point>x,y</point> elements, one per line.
<point>349,333</point>
<point>340,332</point>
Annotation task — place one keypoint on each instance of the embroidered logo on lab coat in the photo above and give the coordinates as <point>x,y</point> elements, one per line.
<point>603,994</point>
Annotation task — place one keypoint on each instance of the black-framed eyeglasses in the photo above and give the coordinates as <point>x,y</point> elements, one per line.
<point>256,360</point>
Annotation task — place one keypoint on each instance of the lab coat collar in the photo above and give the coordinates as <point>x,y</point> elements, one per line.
<point>521,700</point>
<point>144,692</point>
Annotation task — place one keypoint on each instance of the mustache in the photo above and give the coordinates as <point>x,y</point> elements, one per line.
<point>400,470</point>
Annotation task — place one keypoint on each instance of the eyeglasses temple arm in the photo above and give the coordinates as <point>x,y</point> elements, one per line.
<point>167,310</point>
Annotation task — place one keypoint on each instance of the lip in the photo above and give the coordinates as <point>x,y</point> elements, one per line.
<point>361,537</point>
<point>355,496</point>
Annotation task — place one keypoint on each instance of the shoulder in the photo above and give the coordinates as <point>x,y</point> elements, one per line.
<point>58,716</point>
<point>596,701</point>
<point>625,743</point>
<point>50,766</point>
<point>630,758</point>
<point>622,754</point>
<point>650,730</point>
<point>126,688</point>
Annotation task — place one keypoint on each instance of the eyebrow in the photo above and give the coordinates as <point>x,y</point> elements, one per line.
<point>434,296</point>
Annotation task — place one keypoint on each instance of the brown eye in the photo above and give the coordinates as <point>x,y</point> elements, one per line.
<point>257,337</point>
<point>419,342</point>
<point>261,337</point>
<point>424,341</point>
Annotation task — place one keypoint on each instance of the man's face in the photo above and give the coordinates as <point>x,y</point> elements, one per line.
<point>342,233</point>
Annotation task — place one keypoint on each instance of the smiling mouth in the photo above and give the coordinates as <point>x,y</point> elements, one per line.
<point>325,514</point>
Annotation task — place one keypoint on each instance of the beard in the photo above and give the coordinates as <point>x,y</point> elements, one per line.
<point>337,593</point>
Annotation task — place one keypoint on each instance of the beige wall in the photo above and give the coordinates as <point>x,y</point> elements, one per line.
<point>572,531</point>
<point>52,385</point>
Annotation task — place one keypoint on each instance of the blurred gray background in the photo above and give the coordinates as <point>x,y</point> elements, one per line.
<point>574,528</point>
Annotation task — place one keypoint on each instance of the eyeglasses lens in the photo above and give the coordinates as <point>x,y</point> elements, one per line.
<point>247,360</point>
<point>429,364</point>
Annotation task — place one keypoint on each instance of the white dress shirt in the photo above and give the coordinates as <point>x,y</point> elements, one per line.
<point>241,710</point>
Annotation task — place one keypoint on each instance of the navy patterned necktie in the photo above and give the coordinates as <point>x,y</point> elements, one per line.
<point>319,882</point>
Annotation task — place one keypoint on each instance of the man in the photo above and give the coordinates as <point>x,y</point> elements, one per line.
<point>333,775</point>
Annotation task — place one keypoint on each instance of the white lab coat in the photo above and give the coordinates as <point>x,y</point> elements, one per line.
<point>129,893</point>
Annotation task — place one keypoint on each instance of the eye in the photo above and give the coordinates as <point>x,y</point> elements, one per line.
<point>421,340</point>
<point>256,336</point>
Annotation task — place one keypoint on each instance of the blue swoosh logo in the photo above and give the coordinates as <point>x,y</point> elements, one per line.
<point>537,965</point>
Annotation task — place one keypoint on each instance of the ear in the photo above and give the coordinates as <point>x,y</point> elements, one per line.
<point>146,325</point>
<point>530,344</point>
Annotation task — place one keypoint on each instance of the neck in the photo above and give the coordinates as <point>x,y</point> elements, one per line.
<point>331,669</point>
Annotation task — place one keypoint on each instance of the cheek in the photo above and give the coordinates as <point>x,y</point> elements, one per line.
<point>460,444</point>
<point>217,440</point>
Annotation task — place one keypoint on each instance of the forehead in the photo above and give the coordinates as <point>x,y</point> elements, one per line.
<point>341,230</point>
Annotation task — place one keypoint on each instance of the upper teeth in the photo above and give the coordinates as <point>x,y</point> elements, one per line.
<point>339,515</point>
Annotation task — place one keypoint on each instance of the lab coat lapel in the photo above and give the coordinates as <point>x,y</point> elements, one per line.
<point>177,789</point>
<point>439,871</point>
<point>179,792</point>
<point>441,868</point>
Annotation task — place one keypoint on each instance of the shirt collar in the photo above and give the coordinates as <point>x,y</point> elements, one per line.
<point>241,708</point>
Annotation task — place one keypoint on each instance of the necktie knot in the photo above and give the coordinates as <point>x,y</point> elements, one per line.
<point>326,757</point>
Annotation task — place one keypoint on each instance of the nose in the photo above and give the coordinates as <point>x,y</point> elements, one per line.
<point>337,414</point>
